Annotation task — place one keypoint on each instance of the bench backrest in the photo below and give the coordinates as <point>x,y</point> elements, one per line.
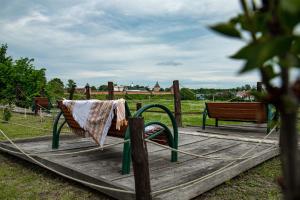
<point>239,111</point>
<point>78,130</point>
<point>41,102</point>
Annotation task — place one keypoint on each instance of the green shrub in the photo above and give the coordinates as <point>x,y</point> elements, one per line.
<point>6,114</point>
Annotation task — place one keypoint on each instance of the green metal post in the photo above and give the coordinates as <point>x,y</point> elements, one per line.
<point>126,154</point>
<point>204,118</point>
<point>269,117</point>
<point>55,138</point>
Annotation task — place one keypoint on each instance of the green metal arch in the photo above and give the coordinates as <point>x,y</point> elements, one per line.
<point>174,144</point>
<point>56,132</point>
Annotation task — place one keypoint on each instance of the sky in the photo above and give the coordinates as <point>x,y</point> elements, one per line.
<point>125,41</point>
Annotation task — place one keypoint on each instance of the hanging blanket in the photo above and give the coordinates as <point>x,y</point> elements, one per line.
<point>95,116</point>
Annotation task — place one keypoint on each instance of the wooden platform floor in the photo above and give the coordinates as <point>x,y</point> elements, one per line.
<point>102,167</point>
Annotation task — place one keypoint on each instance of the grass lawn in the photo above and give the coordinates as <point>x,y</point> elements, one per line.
<point>22,180</point>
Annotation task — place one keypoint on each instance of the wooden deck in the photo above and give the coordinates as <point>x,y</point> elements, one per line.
<point>102,167</point>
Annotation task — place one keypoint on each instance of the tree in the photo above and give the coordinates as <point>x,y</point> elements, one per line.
<point>103,88</point>
<point>55,89</point>
<point>93,88</point>
<point>187,94</point>
<point>19,80</point>
<point>71,85</point>
<point>6,63</point>
<point>272,44</point>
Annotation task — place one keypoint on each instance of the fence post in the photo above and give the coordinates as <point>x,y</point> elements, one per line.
<point>110,88</point>
<point>259,86</point>
<point>177,103</point>
<point>72,90</point>
<point>139,156</point>
<point>87,91</point>
<point>138,106</point>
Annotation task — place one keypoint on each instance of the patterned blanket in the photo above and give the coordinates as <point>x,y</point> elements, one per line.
<point>95,116</point>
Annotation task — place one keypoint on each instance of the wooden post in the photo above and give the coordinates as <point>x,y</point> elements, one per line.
<point>259,86</point>
<point>138,106</point>
<point>87,91</point>
<point>72,90</point>
<point>177,103</point>
<point>110,90</point>
<point>139,156</point>
<point>42,92</point>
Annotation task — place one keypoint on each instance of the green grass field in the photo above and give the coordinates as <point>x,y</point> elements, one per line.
<point>22,180</point>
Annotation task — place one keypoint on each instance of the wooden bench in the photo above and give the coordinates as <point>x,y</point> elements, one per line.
<point>40,103</point>
<point>239,111</point>
<point>162,136</point>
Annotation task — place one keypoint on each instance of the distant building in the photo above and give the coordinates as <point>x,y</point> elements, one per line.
<point>156,87</point>
<point>200,96</point>
<point>119,88</point>
<point>172,89</point>
<point>245,95</point>
<point>242,94</point>
<point>79,90</point>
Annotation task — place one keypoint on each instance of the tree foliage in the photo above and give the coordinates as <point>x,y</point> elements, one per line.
<point>271,32</point>
<point>19,80</point>
<point>71,84</point>
<point>103,88</point>
<point>187,94</point>
<point>55,89</point>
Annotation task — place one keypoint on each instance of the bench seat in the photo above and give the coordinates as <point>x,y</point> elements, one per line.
<point>239,111</point>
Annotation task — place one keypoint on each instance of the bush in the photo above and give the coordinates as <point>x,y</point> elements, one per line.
<point>187,94</point>
<point>6,114</point>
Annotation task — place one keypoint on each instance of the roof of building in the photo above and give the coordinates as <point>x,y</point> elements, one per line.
<point>156,85</point>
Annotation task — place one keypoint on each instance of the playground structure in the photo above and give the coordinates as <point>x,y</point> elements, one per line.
<point>164,134</point>
<point>208,157</point>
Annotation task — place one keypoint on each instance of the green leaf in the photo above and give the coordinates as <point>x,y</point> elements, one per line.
<point>257,53</point>
<point>296,46</point>
<point>269,70</point>
<point>227,29</point>
<point>291,6</point>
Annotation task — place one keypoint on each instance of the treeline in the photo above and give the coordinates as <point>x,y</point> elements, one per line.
<point>246,87</point>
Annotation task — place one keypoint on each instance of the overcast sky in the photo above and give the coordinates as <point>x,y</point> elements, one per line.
<point>139,41</point>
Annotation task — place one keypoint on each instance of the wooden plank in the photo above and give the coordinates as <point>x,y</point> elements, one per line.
<point>196,189</point>
<point>68,170</point>
<point>190,140</point>
<point>103,167</point>
<point>112,158</point>
<point>186,171</point>
<point>237,138</point>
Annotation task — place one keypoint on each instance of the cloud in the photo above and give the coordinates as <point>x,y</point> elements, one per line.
<point>140,41</point>
<point>169,63</point>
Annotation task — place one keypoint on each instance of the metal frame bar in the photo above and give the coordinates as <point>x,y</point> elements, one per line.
<point>204,115</point>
